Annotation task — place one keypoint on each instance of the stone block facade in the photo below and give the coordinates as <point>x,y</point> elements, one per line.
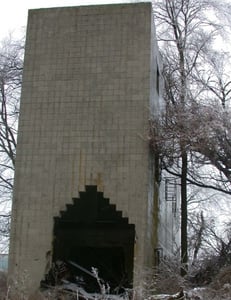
<point>90,84</point>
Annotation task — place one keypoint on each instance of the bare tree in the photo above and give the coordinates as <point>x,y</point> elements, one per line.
<point>198,226</point>
<point>186,33</point>
<point>215,147</point>
<point>11,65</point>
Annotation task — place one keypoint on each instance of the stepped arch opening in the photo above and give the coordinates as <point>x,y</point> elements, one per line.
<point>92,233</point>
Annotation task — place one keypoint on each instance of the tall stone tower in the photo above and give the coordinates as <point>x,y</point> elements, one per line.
<point>84,182</point>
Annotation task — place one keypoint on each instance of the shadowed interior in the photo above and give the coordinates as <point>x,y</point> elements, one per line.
<point>92,233</point>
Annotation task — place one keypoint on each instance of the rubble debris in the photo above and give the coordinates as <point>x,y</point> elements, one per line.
<point>181,295</point>
<point>60,279</point>
<point>58,271</point>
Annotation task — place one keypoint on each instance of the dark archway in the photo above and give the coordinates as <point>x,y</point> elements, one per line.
<point>92,233</point>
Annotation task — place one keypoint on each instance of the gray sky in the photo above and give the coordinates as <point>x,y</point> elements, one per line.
<point>13,13</point>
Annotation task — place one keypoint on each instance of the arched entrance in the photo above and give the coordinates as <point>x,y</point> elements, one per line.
<point>92,233</point>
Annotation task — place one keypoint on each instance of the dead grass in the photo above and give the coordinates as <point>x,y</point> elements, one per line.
<point>165,287</point>
<point>223,278</point>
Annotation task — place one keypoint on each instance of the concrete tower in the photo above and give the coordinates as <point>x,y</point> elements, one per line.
<point>84,182</point>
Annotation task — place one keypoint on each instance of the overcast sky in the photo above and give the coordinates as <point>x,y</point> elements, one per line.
<point>13,13</point>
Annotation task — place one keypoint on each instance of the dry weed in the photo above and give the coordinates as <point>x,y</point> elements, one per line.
<point>223,278</point>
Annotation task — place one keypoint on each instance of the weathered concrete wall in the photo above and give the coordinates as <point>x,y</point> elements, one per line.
<point>84,120</point>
